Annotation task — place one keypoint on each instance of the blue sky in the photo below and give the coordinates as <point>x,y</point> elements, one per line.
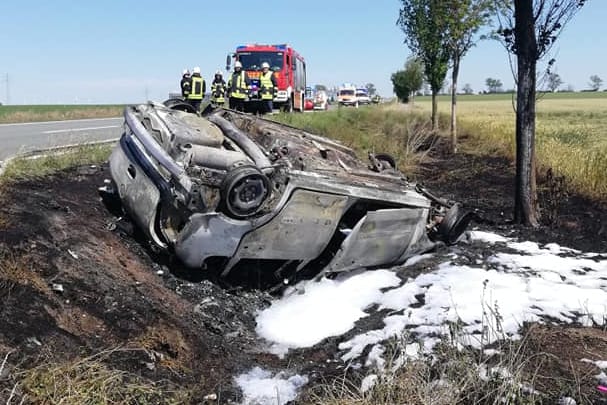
<point>120,51</point>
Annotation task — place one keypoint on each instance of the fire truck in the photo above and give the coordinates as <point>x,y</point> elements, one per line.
<point>289,70</point>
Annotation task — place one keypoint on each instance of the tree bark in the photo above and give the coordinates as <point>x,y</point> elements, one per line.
<point>434,110</point>
<point>454,74</point>
<point>525,204</point>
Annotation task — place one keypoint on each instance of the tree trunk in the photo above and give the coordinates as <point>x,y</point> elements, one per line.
<point>525,203</point>
<point>454,75</point>
<point>434,110</point>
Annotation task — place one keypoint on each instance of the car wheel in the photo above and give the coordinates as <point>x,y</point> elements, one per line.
<point>454,224</point>
<point>387,161</point>
<point>243,191</point>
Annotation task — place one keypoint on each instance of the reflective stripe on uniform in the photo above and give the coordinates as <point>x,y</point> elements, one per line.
<point>196,93</point>
<point>241,88</point>
<point>267,87</point>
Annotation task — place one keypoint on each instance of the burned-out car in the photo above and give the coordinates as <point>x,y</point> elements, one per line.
<point>222,190</point>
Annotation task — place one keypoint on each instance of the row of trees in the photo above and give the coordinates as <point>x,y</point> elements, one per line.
<point>440,33</point>
<point>410,82</point>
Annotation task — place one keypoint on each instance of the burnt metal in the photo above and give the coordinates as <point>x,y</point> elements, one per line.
<point>223,190</point>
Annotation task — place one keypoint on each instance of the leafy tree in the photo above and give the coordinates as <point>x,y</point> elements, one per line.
<point>370,89</point>
<point>529,29</point>
<point>468,89</point>
<point>595,82</point>
<point>464,20</point>
<point>554,81</point>
<point>408,81</point>
<point>424,23</point>
<point>493,85</point>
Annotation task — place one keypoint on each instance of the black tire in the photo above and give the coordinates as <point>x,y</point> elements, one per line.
<point>180,105</point>
<point>287,106</point>
<point>387,161</point>
<point>454,224</point>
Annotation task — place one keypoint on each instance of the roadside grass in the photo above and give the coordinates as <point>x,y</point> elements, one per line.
<point>405,136</point>
<point>23,168</point>
<point>16,270</point>
<point>90,380</point>
<point>450,375</point>
<point>571,133</point>
<point>36,113</point>
<point>510,372</point>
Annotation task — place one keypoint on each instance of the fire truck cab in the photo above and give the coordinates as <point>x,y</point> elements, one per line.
<point>289,70</point>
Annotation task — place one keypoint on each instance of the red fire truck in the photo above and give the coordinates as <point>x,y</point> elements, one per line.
<point>288,66</point>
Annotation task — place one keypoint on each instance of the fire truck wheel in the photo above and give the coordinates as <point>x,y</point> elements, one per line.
<point>287,106</point>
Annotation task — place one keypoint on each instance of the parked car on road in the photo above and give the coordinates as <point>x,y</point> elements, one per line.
<point>226,191</point>
<point>362,95</point>
<point>321,100</point>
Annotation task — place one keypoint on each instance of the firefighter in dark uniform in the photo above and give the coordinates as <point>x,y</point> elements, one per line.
<point>186,84</point>
<point>267,85</point>
<point>218,90</point>
<point>238,87</point>
<point>198,89</point>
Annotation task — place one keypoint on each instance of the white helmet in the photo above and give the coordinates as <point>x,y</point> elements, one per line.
<point>237,64</point>
<point>265,65</point>
<point>218,72</point>
<point>185,72</point>
<point>196,70</point>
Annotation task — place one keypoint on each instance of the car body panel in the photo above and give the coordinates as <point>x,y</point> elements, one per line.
<point>236,187</point>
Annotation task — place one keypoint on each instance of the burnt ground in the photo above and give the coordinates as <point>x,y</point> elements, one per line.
<point>76,282</point>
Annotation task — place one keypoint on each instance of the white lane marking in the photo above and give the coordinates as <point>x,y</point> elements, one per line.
<point>57,131</point>
<point>59,121</point>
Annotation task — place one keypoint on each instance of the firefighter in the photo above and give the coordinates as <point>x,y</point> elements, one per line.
<point>238,87</point>
<point>186,84</point>
<point>267,84</point>
<point>218,89</point>
<point>198,89</point>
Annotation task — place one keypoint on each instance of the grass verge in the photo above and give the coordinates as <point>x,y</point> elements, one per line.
<point>42,165</point>
<point>388,129</point>
<point>37,113</point>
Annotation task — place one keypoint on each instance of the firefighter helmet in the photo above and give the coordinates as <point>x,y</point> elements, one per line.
<point>196,70</point>
<point>185,72</point>
<point>265,65</point>
<point>237,64</point>
<point>218,72</point>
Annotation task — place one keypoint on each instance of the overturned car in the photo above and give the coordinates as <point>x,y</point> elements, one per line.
<point>224,190</point>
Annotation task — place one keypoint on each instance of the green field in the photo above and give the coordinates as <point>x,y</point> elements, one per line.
<point>571,132</point>
<point>31,113</point>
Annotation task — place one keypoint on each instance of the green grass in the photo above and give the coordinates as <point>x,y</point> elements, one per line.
<point>39,166</point>
<point>385,129</point>
<point>571,132</point>
<point>32,113</point>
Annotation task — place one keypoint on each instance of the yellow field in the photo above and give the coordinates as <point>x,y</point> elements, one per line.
<point>571,132</point>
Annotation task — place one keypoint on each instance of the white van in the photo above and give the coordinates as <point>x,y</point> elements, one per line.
<point>347,96</point>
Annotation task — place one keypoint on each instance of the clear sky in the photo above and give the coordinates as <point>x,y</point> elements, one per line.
<point>114,51</point>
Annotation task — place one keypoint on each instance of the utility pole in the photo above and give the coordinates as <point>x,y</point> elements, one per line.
<point>8,94</point>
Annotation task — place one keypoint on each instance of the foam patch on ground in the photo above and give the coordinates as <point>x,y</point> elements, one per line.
<point>491,300</point>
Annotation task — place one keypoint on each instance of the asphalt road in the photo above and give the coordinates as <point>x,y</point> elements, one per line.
<point>25,137</point>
